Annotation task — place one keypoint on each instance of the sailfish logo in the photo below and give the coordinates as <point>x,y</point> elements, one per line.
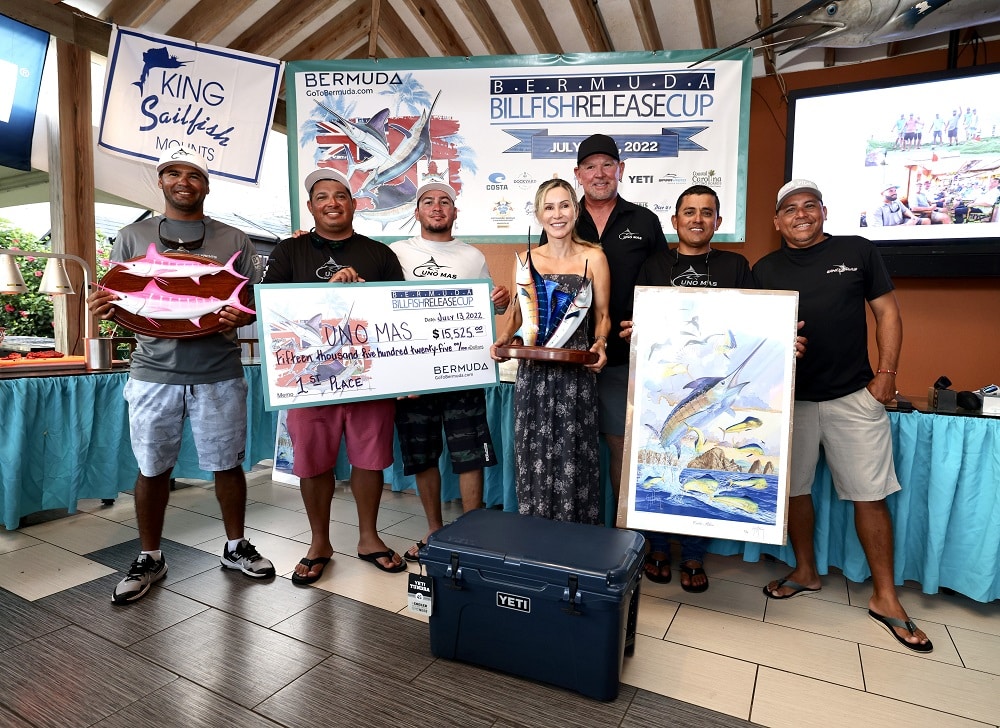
<point>156,58</point>
<point>431,269</point>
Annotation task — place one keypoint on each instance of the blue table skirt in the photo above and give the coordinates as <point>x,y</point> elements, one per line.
<point>67,438</point>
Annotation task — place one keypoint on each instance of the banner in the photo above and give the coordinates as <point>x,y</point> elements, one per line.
<point>708,421</point>
<point>323,343</point>
<point>22,56</point>
<point>164,92</point>
<point>496,127</point>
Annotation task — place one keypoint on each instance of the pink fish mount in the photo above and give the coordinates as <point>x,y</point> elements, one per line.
<point>175,295</point>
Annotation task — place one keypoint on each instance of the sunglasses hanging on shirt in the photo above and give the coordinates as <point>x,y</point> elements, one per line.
<point>180,244</point>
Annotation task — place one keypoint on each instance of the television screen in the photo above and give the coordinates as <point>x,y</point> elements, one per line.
<point>911,163</point>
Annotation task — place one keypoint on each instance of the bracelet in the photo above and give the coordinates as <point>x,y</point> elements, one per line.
<point>886,371</point>
<point>602,337</point>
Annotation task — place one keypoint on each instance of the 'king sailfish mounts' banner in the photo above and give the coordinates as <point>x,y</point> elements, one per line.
<point>164,92</point>
<point>496,127</point>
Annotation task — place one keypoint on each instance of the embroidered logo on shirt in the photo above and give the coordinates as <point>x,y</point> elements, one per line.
<point>431,269</point>
<point>326,271</point>
<point>627,234</point>
<point>842,268</point>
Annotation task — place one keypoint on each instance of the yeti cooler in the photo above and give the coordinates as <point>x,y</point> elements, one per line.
<point>545,600</point>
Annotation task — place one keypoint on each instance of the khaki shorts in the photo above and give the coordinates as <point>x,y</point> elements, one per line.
<point>855,434</point>
<point>218,414</point>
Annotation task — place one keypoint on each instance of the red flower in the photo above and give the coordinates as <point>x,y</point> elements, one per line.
<point>8,308</point>
<point>24,314</point>
<point>38,274</point>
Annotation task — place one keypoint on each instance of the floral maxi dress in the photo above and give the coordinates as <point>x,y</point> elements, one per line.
<point>555,426</point>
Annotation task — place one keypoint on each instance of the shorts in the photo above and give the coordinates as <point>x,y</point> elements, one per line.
<point>463,415</point>
<point>316,433</point>
<point>218,414</point>
<point>855,435</point>
<point>612,395</point>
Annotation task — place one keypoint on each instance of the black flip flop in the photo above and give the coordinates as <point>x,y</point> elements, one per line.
<point>693,571</point>
<point>374,556</point>
<point>659,577</point>
<point>309,563</point>
<point>409,557</point>
<point>889,622</point>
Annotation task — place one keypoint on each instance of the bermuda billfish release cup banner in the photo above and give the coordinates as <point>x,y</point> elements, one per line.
<point>165,92</point>
<point>708,421</point>
<point>496,127</point>
<point>330,343</point>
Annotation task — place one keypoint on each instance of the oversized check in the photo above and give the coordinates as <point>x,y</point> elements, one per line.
<point>330,343</point>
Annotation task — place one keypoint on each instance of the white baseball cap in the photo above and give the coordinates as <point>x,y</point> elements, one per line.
<point>794,187</point>
<point>181,155</point>
<point>436,187</point>
<point>318,175</point>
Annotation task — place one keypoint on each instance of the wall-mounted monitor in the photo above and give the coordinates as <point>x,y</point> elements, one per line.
<point>911,163</point>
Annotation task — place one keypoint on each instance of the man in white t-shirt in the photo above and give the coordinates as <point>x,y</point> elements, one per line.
<point>436,255</point>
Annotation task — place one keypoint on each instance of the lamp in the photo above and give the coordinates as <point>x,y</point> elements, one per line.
<point>97,353</point>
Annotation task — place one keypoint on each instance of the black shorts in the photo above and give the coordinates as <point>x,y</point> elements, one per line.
<point>463,416</point>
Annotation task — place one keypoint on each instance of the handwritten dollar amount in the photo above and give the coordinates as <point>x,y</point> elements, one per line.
<point>457,332</point>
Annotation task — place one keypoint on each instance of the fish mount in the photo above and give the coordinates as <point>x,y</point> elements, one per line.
<point>552,355</point>
<point>176,292</point>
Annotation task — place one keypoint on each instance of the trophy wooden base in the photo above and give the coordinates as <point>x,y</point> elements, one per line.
<point>544,353</point>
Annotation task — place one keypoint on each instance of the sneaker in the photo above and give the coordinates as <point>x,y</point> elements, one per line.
<point>144,572</point>
<point>246,559</point>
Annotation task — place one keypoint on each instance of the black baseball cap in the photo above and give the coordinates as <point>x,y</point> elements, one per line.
<point>597,144</point>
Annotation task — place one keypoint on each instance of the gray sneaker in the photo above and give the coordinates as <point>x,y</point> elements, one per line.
<point>246,559</point>
<point>144,572</point>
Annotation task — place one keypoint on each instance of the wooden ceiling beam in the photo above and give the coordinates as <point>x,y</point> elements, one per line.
<point>131,13</point>
<point>489,30</point>
<point>538,25</point>
<point>339,35</point>
<point>397,36</point>
<point>438,27</point>
<point>706,23</point>
<point>592,25</point>
<point>644,19</point>
<point>278,26</point>
<point>765,19</point>
<point>205,21</point>
<point>63,21</point>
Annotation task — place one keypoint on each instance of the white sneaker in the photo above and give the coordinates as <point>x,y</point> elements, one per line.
<point>246,559</point>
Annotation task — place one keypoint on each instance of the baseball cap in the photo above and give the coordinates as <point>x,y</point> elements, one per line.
<point>597,144</point>
<point>436,187</point>
<point>794,187</point>
<point>890,187</point>
<point>180,155</point>
<point>318,175</point>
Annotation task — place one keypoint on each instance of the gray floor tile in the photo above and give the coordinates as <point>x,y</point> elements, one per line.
<point>649,709</point>
<point>182,703</point>
<point>182,561</point>
<point>23,620</point>
<point>73,678</point>
<point>535,705</point>
<point>341,693</point>
<point>374,638</point>
<point>89,606</point>
<point>230,656</point>
<point>262,601</point>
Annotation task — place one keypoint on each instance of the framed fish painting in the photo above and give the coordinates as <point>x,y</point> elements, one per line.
<point>708,424</point>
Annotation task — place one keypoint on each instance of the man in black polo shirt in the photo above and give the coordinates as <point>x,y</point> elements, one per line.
<point>629,234</point>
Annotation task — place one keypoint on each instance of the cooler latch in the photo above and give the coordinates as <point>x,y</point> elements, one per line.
<point>453,572</point>
<point>572,595</point>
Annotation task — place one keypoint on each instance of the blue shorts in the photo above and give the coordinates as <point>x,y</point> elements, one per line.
<point>218,414</point>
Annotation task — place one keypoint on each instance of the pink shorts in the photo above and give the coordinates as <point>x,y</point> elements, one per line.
<point>316,433</point>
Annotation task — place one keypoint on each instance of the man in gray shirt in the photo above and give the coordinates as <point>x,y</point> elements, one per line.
<point>171,379</point>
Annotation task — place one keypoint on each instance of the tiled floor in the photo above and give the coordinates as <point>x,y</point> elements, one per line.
<point>208,647</point>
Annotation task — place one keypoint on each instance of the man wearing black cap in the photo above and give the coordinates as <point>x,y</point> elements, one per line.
<point>629,234</point>
<point>197,379</point>
<point>839,400</point>
<point>333,252</point>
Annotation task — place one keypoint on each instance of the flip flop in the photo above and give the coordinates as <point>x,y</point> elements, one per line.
<point>309,563</point>
<point>908,625</point>
<point>659,577</point>
<point>374,556</point>
<point>693,571</point>
<point>414,557</point>
<point>798,589</point>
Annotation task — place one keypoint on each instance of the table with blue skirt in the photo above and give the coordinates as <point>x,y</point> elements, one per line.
<point>66,437</point>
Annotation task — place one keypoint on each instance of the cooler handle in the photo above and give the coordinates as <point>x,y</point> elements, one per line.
<point>573,596</point>
<point>454,572</point>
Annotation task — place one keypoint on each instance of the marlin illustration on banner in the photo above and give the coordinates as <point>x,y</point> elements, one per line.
<point>852,23</point>
<point>367,136</point>
<point>415,146</point>
<point>156,58</point>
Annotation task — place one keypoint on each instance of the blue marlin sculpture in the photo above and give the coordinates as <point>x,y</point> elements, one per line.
<point>853,23</point>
